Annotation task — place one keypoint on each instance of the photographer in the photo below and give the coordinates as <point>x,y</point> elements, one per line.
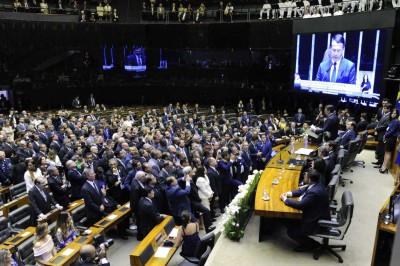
<point>88,255</point>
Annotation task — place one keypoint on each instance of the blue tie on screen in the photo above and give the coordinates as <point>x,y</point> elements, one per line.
<point>333,77</point>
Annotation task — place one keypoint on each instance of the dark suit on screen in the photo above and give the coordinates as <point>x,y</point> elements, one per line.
<point>346,72</point>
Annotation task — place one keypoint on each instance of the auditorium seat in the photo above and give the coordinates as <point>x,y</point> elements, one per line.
<point>5,232</point>
<point>17,191</point>
<point>20,218</point>
<point>79,217</point>
<point>25,252</point>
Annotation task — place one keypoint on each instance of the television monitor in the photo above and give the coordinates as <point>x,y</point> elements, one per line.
<point>347,64</point>
<point>135,59</point>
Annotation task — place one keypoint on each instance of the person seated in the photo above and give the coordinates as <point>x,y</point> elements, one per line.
<point>228,12</point>
<point>6,258</point>
<point>115,16</point>
<point>338,11</point>
<point>160,12</point>
<point>82,16</point>
<point>349,135</point>
<point>197,16</point>
<point>202,11</point>
<point>188,233</point>
<point>314,202</point>
<point>43,245</point>
<point>107,11</point>
<point>44,8</point>
<point>65,230</point>
<point>266,9</point>
<point>307,13</point>
<point>100,14</point>
<point>17,5</point>
<point>89,256</point>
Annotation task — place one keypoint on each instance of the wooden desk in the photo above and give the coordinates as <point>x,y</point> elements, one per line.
<point>75,204</point>
<point>52,216</point>
<point>152,241</point>
<point>286,156</point>
<point>275,207</point>
<point>383,231</point>
<point>20,237</point>
<point>113,218</point>
<point>14,204</point>
<point>4,191</point>
<point>10,248</point>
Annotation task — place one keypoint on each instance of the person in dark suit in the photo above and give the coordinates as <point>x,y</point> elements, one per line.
<point>246,160</point>
<point>299,118</point>
<point>115,179</point>
<point>58,187</point>
<point>76,179</point>
<point>178,198</point>
<point>323,153</point>
<point>337,68</point>
<point>215,182</point>
<point>5,172</point>
<point>362,124</point>
<point>331,123</point>
<point>314,202</point>
<point>389,139</point>
<point>255,153</point>
<point>93,198</point>
<point>224,168</point>
<point>136,193</point>
<point>40,200</point>
<point>137,58</point>
<point>380,131</point>
<point>265,147</point>
<point>149,216</point>
<point>349,135</point>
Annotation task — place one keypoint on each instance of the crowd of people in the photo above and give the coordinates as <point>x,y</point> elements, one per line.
<point>175,160</point>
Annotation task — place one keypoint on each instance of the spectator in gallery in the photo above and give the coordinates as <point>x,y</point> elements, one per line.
<point>395,4</point>
<point>185,16</point>
<point>202,10</point>
<point>100,11</point>
<point>173,15</point>
<point>82,16</point>
<point>197,16</point>
<point>115,16</point>
<point>26,6</point>
<point>228,12</point>
<point>307,13</point>
<point>76,103</point>
<point>160,12</point>
<point>44,8</point>
<point>107,11</point>
<point>338,11</point>
<point>17,5</point>
<point>266,9</point>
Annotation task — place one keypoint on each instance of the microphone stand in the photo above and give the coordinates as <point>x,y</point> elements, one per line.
<point>280,161</point>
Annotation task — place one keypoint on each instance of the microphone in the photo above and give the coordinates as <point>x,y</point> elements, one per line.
<point>329,69</point>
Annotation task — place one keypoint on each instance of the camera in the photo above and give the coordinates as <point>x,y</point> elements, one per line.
<point>101,243</point>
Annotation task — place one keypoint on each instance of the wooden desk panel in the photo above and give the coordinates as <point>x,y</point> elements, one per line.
<point>107,222</point>
<point>67,255</point>
<point>275,206</point>
<point>150,239</point>
<point>75,204</point>
<point>286,156</point>
<point>7,208</point>
<point>24,235</point>
<point>10,248</point>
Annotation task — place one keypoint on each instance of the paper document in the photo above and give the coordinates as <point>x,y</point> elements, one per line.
<point>303,151</point>
<point>68,251</point>
<point>174,233</point>
<point>311,133</point>
<point>128,205</point>
<point>73,204</point>
<point>162,252</point>
<point>112,216</point>
<point>25,234</point>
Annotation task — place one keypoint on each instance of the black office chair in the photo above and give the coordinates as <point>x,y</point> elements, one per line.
<point>207,241</point>
<point>79,217</point>
<point>25,252</point>
<point>332,188</point>
<point>351,153</point>
<point>336,228</point>
<point>202,260</point>
<point>17,190</point>
<point>5,232</point>
<point>340,156</point>
<point>20,218</point>
<point>364,137</point>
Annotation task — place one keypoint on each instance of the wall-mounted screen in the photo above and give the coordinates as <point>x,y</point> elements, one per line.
<point>135,58</point>
<point>341,63</point>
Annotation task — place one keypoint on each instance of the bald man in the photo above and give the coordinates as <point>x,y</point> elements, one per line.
<point>88,254</point>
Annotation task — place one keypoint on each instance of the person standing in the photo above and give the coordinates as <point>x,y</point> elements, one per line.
<point>380,131</point>
<point>389,139</point>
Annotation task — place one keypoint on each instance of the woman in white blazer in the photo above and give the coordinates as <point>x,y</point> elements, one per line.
<point>203,184</point>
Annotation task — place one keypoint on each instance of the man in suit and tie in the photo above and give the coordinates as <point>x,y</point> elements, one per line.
<point>380,130</point>
<point>215,183</point>
<point>323,153</point>
<point>331,123</point>
<point>337,68</point>
<point>115,179</point>
<point>246,160</point>
<point>178,198</point>
<point>93,197</point>
<point>58,187</point>
<point>55,145</point>
<point>76,179</point>
<point>40,200</point>
<point>299,118</point>
<point>255,153</point>
<point>148,213</point>
<point>349,135</point>
<point>314,202</point>
<point>265,147</point>
<point>43,138</point>
<point>5,172</point>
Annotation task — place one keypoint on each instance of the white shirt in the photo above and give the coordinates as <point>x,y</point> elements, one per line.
<point>205,191</point>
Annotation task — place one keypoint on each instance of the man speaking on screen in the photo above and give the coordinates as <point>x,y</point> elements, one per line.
<point>337,68</point>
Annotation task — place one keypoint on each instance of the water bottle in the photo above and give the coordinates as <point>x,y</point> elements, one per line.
<point>306,141</point>
<point>292,147</point>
